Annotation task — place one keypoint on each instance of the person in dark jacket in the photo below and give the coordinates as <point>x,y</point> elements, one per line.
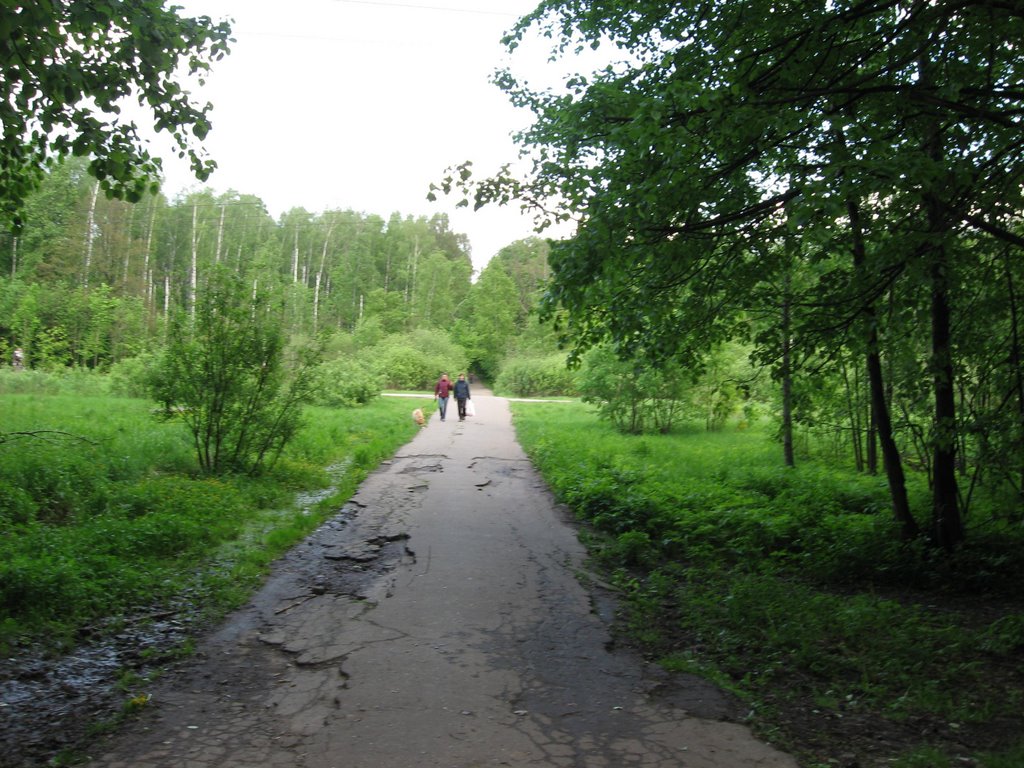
<point>442,391</point>
<point>462,395</point>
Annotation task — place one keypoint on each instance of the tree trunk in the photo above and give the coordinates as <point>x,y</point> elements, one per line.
<point>1015,358</point>
<point>890,451</point>
<point>128,250</point>
<point>316,300</point>
<point>220,235</point>
<point>871,441</point>
<point>319,277</point>
<point>146,274</point>
<point>90,235</point>
<point>853,415</point>
<point>193,277</point>
<point>787,381</point>
<point>947,527</point>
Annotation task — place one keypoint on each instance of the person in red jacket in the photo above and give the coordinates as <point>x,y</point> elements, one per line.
<point>442,390</point>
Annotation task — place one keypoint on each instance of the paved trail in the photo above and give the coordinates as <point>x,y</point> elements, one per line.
<point>438,621</point>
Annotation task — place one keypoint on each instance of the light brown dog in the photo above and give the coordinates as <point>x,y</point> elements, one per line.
<point>417,416</point>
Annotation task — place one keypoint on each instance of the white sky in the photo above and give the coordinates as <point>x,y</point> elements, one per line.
<point>361,104</point>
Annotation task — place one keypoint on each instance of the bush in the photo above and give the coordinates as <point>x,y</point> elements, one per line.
<point>133,376</point>
<point>404,367</point>
<point>224,372</point>
<point>634,395</point>
<point>536,377</point>
<point>416,360</point>
<point>345,382</point>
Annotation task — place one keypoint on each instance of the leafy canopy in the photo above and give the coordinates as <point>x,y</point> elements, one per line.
<point>717,125</point>
<point>66,71</point>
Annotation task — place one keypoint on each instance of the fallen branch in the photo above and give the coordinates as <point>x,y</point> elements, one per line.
<point>46,435</point>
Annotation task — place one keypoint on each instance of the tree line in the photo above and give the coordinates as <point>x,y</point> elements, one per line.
<point>90,281</point>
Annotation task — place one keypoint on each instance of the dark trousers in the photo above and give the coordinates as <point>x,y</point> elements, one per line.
<point>462,407</point>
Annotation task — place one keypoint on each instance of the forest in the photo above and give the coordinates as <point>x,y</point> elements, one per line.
<point>788,325</point>
<point>90,282</point>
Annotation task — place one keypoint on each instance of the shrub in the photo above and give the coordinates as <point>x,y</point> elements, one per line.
<point>416,360</point>
<point>345,382</point>
<point>133,376</point>
<point>405,367</point>
<point>634,395</point>
<point>224,372</point>
<point>536,377</point>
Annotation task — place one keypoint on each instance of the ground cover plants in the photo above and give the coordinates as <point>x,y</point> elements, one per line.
<point>102,510</point>
<point>790,588</point>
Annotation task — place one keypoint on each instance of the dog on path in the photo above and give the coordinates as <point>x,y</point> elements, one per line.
<point>417,416</point>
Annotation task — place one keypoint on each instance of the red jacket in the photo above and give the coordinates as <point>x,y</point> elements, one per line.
<point>442,388</point>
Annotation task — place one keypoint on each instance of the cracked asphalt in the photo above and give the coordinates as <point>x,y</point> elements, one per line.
<point>438,620</point>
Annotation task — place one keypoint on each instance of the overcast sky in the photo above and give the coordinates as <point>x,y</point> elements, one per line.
<point>361,104</point>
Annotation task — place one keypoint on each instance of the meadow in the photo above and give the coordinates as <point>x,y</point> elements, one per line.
<point>103,513</point>
<point>791,588</point>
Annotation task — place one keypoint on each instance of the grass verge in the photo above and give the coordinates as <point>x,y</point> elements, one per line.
<point>790,588</point>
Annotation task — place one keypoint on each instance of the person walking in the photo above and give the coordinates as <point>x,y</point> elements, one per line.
<point>442,391</point>
<point>461,395</point>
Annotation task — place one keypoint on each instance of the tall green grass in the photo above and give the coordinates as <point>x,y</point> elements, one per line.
<point>102,511</point>
<point>784,581</point>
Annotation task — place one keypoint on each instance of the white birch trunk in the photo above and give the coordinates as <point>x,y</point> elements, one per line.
<point>410,288</point>
<point>193,270</point>
<point>319,277</point>
<point>147,274</point>
<point>316,301</point>
<point>220,235</point>
<point>90,234</point>
<point>128,249</point>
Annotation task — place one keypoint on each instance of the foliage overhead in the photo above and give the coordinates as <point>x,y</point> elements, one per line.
<point>725,121</point>
<point>67,70</point>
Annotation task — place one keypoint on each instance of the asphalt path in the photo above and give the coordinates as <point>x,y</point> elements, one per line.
<point>443,618</point>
